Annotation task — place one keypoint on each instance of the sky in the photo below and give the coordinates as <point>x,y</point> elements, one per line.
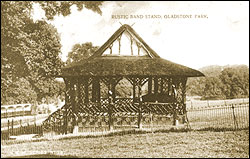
<point>219,37</point>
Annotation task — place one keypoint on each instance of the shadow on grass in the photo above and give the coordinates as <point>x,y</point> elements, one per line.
<point>134,131</point>
<point>128,132</point>
<point>221,129</point>
<point>44,156</point>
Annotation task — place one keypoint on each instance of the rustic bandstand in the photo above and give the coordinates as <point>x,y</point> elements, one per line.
<point>158,88</point>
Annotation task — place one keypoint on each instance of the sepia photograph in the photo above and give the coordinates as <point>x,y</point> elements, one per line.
<point>124,79</point>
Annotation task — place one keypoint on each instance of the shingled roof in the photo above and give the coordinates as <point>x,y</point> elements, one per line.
<point>112,65</point>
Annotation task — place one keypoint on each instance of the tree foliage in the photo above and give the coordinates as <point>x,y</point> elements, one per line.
<point>53,8</point>
<point>236,81</point>
<point>81,51</point>
<point>221,82</point>
<point>30,50</point>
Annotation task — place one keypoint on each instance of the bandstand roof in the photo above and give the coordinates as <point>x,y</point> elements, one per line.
<point>147,64</point>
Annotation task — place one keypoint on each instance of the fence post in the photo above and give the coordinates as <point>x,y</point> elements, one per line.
<point>235,121</point>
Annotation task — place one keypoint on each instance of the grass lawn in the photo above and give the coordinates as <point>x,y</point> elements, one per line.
<point>172,144</point>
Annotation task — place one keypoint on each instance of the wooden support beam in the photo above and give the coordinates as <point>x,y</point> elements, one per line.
<point>150,85</point>
<point>131,45</point>
<point>155,85</point>
<point>184,81</point>
<point>77,94</point>
<point>110,47</point>
<point>139,47</point>
<point>134,92</point>
<point>66,90</point>
<point>119,41</point>
<point>98,91</point>
<point>86,90</point>
<point>169,85</point>
<point>65,119</point>
<point>140,107</point>
<point>161,85</point>
<point>110,108</point>
<point>72,94</point>
<point>113,90</point>
<point>79,89</point>
<point>94,90</point>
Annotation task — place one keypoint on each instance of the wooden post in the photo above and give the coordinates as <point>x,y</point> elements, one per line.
<point>134,95</point>
<point>86,90</point>
<point>119,41</point>
<point>12,126</point>
<point>175,107</point>
<point>8,127</point>
<point>174,115</point>
<point>98,91</point>
<point>113,89</point>
<point>149,85</point>
<point>67,103</point>
<point>169,86</point>
<point>155,85</point>
<point>131,45</point>
<point>72,100</point>
<point>65,121</point>
<point>94,90</point>
<point>75,105</point>
<point>140,107</point>
<point>183,90</point>
<point>111,124</point>
<point>79,92</point>
<point>161,85</point>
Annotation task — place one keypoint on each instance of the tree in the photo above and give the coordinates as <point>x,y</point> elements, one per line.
<point>19,91</point>
<point>231,81</point>
<point>195,86</point>
<point>81,51</point>
<point>213,89</point>
<point>31,49</point>
<point>236,81</point>
<point>53,8</point>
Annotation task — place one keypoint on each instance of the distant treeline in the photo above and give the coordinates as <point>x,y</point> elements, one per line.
<point>220,82</point>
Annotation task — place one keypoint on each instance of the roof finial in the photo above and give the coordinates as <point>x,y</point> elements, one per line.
<point>132,24</point>
<point>121,23</point>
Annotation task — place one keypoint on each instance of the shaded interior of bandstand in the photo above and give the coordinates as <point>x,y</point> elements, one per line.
<point>162,96</point>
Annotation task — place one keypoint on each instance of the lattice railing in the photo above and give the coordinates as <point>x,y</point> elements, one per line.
<point>124,113</point>
<point>158,108</point>
<point>57,119</point>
